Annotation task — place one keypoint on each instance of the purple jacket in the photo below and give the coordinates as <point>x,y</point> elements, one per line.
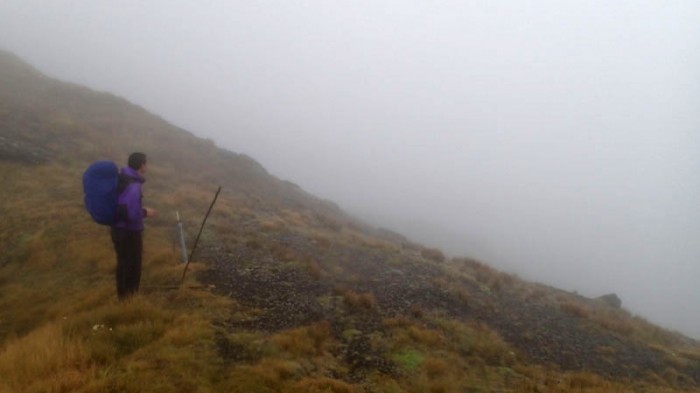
<point>130,212</point>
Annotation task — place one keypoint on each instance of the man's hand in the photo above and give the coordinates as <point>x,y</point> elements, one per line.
<point>151,212</point>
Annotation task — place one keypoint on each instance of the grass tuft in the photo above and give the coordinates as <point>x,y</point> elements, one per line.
<point>359,301</point>
<point>408,359</point>
<point>44,360</point>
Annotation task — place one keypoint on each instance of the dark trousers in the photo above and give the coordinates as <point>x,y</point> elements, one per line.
<point>128,246</point>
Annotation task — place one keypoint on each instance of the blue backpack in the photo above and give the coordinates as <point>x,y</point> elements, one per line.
<point>102,185</point>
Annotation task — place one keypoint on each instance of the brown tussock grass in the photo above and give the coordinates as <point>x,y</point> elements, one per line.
<point>272,225</point>
<point>323,385</point>
<point>62,363</point>
<point>397,322</point>
<point>407,334</point>
<point>477,340</point>
<point>435,367</point>
<point>285,253</point>
<point>329,223</point>
<point>305,341</point>
<point>296,219</point>
<point>575,309</point>
<point>277,369</point>
<point>314,269</point>
<point>425,336</point>
<point>359,301</point>
<point>61,265</point>
<point>322,241</point>
<point>416,311</point>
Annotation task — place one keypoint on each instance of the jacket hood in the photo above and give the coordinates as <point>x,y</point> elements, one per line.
<point>133,173</point>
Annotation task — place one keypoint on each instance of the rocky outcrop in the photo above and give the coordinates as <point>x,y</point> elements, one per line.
<point>611,300</point>
<point>16,150</point>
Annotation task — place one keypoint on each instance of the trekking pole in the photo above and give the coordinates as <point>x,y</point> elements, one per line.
<point>183,247</point>
<point>194,247</point>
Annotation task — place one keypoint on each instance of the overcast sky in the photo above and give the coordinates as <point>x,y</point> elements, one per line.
<point>559,140</point>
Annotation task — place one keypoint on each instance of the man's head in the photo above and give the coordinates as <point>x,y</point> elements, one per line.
<point>138,162</point>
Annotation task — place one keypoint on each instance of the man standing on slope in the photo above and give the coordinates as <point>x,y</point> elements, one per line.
<point>127,232</point>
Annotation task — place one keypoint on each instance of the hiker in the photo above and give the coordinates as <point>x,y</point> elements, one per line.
<point>127,231</point>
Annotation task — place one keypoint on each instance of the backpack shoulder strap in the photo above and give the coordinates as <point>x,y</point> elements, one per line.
<point>123,183</point>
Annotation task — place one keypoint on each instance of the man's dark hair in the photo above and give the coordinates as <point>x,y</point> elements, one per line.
<point>136,160</point>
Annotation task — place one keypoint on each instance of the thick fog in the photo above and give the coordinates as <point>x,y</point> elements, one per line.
<point>559,140</point>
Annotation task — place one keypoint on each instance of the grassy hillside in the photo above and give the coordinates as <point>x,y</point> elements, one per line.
<point>287,293</point>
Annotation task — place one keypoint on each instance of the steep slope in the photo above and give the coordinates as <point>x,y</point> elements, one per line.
<point>47,119</point>
<point>291,293</point>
